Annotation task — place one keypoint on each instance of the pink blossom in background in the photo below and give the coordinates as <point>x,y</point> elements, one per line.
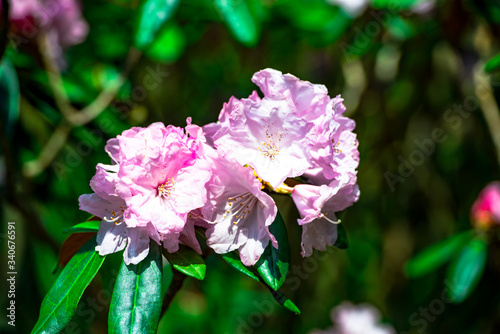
<point>356,319</point>
<point>157,180</point>
<point>485,211</point>
<point>61,20</point>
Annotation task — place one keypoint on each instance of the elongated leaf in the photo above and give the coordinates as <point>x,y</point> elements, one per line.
<point>285,301</point>
<point>234,261</point>
<point>273,264</point>
<point>466,270</point>
<point>238,20</point>
<point>60,303</point>
<point>438,254</point>
<point>9,91</point>
<point>393,5</point>
<point>187,261</point>
<point>136,301</point>
<point>152,15</point>
<point>342,242</point>
<point>90,226</point>
<point>493,64</point>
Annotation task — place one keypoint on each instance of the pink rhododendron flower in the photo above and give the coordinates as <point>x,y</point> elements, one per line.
<point>360,319</point>
<point>267,136</point>
<point>114,235</point>
<point>334,157</point>
<point>164,182</point>
<point>310,201</point>
<point>157,180</point>
<point>334,152</point>
<point>238,211</point>
<point>296,129</point>
<point>309,100</point>
<point>60,20</point>
<point>161,178</point>
<point>486,209</point>
<point>317,206</point>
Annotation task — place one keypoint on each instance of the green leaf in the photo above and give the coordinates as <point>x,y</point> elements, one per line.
<point>234,261</point>
<point>169,45</point>
<point>90,226</point>
<point>9,91</point>
<point>60,303</point>
<point>394,5</point>
<point>187,261</point>
<point>137,298</point>
<point>152,15</point>
<point>493,64</point>
<point>438,254</point>
<point>273,264</point>
<point>342,242</point>
<point>238,20</point>
<point>466,270</point>
<point>285,301</point>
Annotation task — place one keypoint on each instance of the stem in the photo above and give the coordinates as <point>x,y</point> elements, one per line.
<point>489,108</point>
<point>54,76</point>
<point>19,199</point>
<point>175,286</point>
<point>49,151</point>
<point>177,282</point>
<point>72,117</point>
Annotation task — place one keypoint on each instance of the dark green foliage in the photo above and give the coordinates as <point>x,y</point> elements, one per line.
<point>137,298</point>
<point>59,305</point>
<point>273,264</point>
<point>187,261</point>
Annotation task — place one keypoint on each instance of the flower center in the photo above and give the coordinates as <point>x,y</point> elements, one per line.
<point>336,149</point>
<point>116,216</point>
<point>166,189</point>
<point>238,207</point>
<point>270,146</point>
<point>269,150</point>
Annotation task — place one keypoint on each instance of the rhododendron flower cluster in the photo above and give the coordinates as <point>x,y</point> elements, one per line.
<point>60,20</point>
<point>485,211</point>
<point>165,180</point>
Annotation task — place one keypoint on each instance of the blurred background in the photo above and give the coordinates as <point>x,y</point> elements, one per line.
<point>412,74</point>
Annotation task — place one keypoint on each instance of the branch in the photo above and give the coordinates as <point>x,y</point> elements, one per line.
<point>17,197</point>
<point>489,108</point>
<point>49,152</point>
<point>54,76</point>
<point>176,284</point>
<point>72,117</point>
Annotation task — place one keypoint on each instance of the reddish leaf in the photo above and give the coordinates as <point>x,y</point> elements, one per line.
<point>71,245</point>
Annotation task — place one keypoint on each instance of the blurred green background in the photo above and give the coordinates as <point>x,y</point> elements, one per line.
<point>401,66</point>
